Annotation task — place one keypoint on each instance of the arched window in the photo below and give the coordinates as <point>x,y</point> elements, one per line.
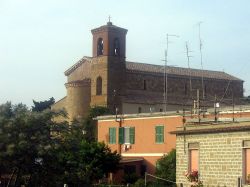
<point>100,47</point>
<point>99,86</point>
<point>116,47</point>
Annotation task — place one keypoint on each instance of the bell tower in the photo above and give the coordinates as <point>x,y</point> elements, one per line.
<point>108,66</point>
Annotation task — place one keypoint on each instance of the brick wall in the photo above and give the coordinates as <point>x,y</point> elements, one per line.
<point>220,157</point>
<point>179,86</point>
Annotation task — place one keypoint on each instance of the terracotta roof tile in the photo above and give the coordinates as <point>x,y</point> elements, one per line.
<point>179,71</point>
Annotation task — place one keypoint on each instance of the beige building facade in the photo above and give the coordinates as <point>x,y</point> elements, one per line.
<point>219,151</point>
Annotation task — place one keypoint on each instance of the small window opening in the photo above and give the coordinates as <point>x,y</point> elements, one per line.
<point>139,110</point>
<point>185,89</point>
<point>144,85</point>
<point>99,86</point>
<point>100,47</point>
<point>116,47</point>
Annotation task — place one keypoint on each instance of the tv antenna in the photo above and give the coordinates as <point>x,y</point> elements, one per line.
<point>165,71</point>
<point>201,60</point>
<point>188,63</point>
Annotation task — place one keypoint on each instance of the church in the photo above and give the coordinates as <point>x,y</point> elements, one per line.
<point>125,87</point>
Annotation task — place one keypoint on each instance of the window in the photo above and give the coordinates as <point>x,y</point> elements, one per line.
<point>185,89</point>
<point>100,47</point>
<point>159,134</point>
<point>116,47</point>
<point>161,110</point>
<point>126,135</point>
<point>144,84</point>
<point>112,135</point>
<point>139,110</point>
<point>205,91</point>
<point>246,161</point>
<point>193,157</point>
<point>99,86</point>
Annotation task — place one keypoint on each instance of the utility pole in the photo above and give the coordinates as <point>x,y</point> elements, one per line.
<point>215,108</point>
<point>198,105</point>
<point>233,104</point>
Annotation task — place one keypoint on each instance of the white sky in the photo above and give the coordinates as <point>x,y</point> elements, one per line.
<point>40,39</point>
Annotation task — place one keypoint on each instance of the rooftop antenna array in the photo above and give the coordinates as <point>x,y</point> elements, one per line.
<point>165,72</point>
<point>201,60</point>
<point>188,63</point>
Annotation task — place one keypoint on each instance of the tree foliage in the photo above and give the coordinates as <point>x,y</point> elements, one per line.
<point>166,166</point>
<point>89,124</point>
<point>41,152</point>
<point>42,105</point>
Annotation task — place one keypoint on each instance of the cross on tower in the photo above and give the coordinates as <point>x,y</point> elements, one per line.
<point>109,18</point>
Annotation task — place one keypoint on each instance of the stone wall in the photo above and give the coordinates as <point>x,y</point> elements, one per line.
<point>60,105</point>
<point>220,157</point>
<point>78,99</point>
<point>81,72</point>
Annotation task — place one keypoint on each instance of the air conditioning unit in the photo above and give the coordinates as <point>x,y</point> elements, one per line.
<point>126,147</point>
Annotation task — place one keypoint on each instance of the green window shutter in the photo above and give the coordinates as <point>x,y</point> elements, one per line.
<point>112,135</point>
<point>159,134</point>
<point>121,135</point>
<point>132,135</point>
<point>162,133</point>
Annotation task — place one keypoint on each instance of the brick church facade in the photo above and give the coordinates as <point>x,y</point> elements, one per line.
<point>107,79</point>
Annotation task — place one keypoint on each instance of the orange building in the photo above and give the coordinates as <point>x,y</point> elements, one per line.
<point>141,139</point>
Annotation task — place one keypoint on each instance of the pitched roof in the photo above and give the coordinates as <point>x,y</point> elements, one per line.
<point>159,69</point>
<point>179,71</point>
<point>77,64</point>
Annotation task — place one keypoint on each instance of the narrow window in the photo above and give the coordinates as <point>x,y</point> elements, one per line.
<point>144,85</point>
<point>116,47</point>
<point>139,110</point>
<point>126,135</point>
<point>100,47</point>
<point>159,134</point>
<point>246,162</point>
<point>193,157</point>
<point>99,86</point>
<point>185,89</point>
<point>247,165</point>
<point>205,91</point>
<point>112,135</point>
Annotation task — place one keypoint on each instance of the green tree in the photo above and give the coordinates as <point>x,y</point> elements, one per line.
<point>41,152</point>
<point>42,105</point>
<point>166,166</point>
<point>89,124</point>
<point>26,147</point>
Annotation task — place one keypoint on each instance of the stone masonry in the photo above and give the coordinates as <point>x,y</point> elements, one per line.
<point>220,152</point>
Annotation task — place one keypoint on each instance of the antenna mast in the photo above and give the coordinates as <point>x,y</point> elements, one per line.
<point>165,72</point>
<point>188,61</point>
<point>201,60</point>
